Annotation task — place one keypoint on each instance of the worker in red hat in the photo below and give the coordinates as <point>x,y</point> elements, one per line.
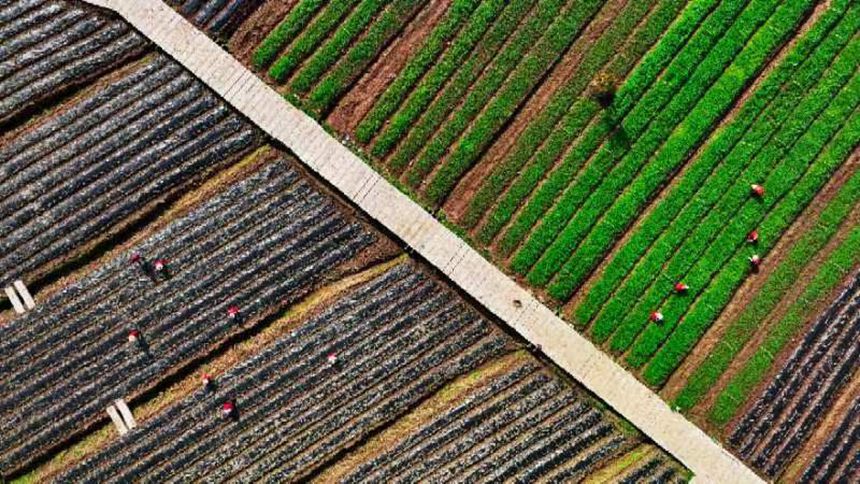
<point>656,317</point>
<point>752,237</point>
<point>331,359</point>
<point>160,265</point>
<point>681,288</point>
<point>134,336</point>
<point>228,409</point>
<point>233,312</point>
<point>757,190</point>
<point>206,380</point>
<point>755,261</point>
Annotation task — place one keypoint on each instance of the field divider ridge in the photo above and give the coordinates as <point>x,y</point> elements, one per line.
<point>464,266</point>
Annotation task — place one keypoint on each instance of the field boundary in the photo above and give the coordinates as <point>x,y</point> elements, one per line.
<point>465,267</point>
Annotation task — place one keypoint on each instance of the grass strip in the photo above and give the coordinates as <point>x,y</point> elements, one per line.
<point>832,272</point>
<point>528,73</point>
<point>374,38</point>
<point>433,47</point>
<point>560,134</point>
<point>708,176</point>
<point>742,329</point>
<point>285,32</point>
<point>543,125</point>
<point>719,200</point>
<point>772,216</point>
<point>468,92</point>
<point>310,38</point>
<point>685,38</point>
<point>643,130</point>
<point>601,221</point>
<point>493,22</point>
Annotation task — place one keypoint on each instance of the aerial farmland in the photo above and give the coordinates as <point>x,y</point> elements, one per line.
<point>211,222</point>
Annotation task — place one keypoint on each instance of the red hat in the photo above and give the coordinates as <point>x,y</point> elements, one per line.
<point>206,378</point>
<point>681,287</point>
<point>757,190</point>
<point>233,311</point>
<point>657,316</point>
<point>332,357</point>
<point>133,335</point>
<point>752,237</point>
<point>227,408</point>
<point>160,264</point>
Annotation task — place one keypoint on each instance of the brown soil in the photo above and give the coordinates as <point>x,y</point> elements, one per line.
<point>443,400</point>
<point>776,60</point>
<point>253,30</point>
<point>310,306</point>
<point>352,107</point>
<point>458,201</point>
<point>749,290</point>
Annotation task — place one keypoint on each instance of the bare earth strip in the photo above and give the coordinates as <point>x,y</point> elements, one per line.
<point>252,32</point>
<point>459,199</point>
<point>351,109</point>
<point>428,237</point>
<point>747,293</point>
<point>597,274</point>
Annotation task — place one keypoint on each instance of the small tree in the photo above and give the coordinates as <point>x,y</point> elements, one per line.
<point>603,88</point>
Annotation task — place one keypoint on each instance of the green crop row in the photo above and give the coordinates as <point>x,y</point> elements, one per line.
<point>311,37</point>
<point>475,92</point>
<point>540,128</point>
<point>504,104</point>
<point>661,151</point>
<point>707,215</point>
<point>651,109</point>
<point>709,176</point>
<point>742,329</point>
<point>350,66</point>
<point>418,65</point>
<point>831,273</point>
<point>792,179</point>
<point>285,32</point>
<point>464,57</point>
<point>591,140</point>
<point>373,38</point>
<point>562,134</point>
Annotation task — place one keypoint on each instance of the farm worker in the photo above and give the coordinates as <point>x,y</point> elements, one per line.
<point>656,317</point>
<point>207,381</point>
<point>136,258</point>
<point>680,287</point>
<point>755,261</point>
<point>752,237</point>
<point>228,409</point>
<point>160,265</point>
<point>757,190</point>
<point>331,359</point>
<point>134,336</point>
<point>233,312</point>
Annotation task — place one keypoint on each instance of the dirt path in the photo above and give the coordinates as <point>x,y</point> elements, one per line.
<point>255,28</point>
<point>352,107</point>
<point>458,201</point>
<point>776,60</point>
<point>749,290</point>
